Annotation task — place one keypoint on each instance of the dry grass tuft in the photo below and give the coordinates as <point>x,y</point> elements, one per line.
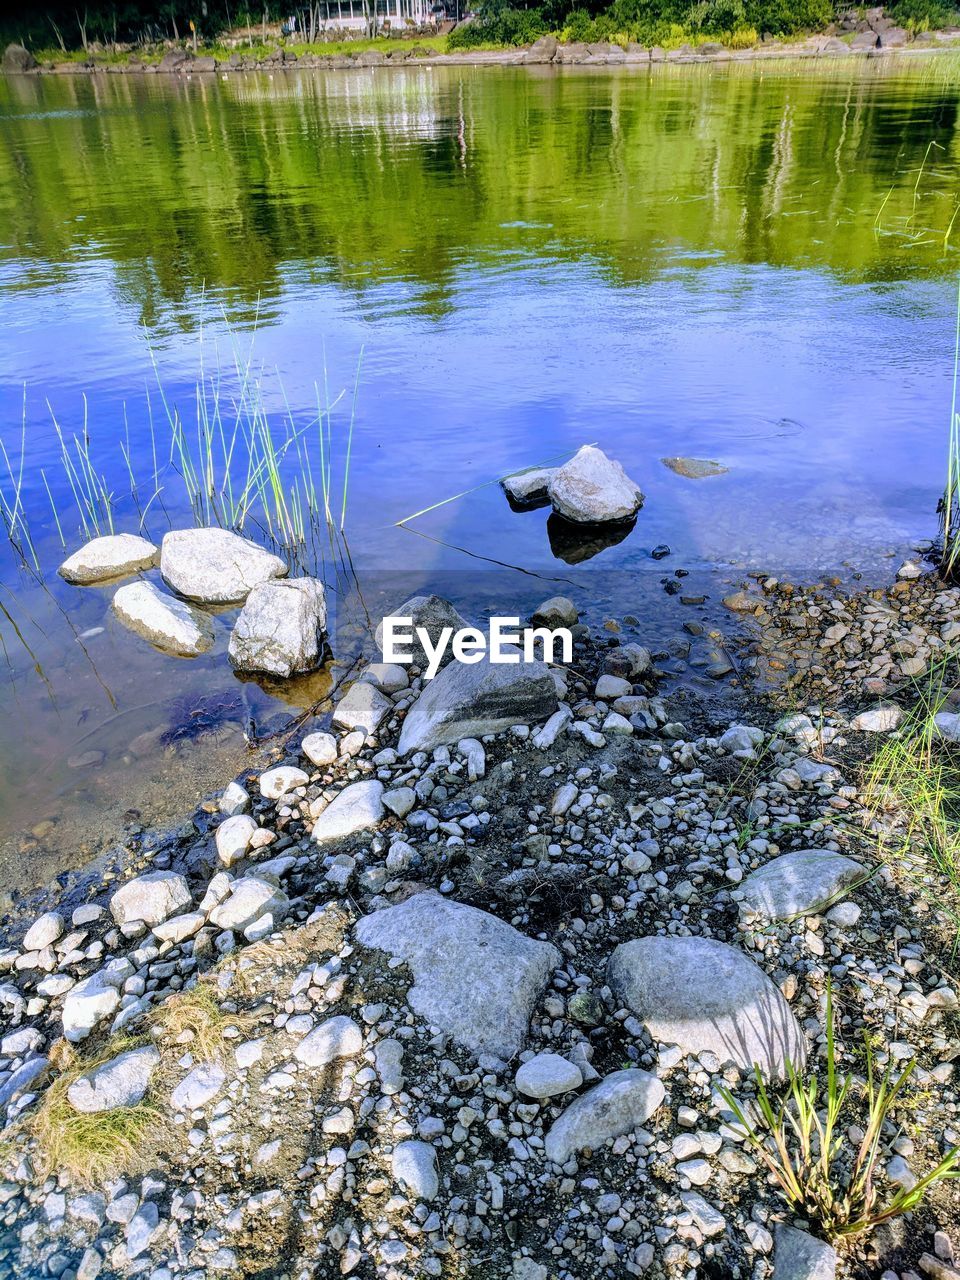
<point>194,1018</point>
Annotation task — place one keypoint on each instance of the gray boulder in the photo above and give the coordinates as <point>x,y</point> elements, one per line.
<point>17,59</point>
<point>529,488</point>
<point>363,707</point>
<point>358,807</point>
<point>414,1166</point>
<point>112,556</point>
<point>170,624</point>
<point>121,1082</point>
<point>593,489</point>
<point>799,1256</point>
<point>151,898</point>
<point>467,701</point>
<point>618,1105</point>
<point>798,884</point>
<point>705,996</point>
<point>475,977</point>
<point>281,628</point>
<point>215,566</point>
<point>249,899</point>
<point>432,614</point>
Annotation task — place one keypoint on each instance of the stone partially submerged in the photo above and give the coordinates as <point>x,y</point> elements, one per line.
<point>281,629</point>
<point>528,489</point>
<point>109,557</point>
<point>467,701</point>
<point>215,566</point>
<point>618,1105</point>
<point>707,997</point>
<point>476,978</point>
<point>796,884</point>
<point>594,489</point>
<point>168,623</point>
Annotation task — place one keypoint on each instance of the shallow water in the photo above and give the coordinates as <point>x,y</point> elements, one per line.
<point>742,263</point>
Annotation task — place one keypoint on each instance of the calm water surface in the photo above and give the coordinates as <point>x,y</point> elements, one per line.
<point>741,263</point>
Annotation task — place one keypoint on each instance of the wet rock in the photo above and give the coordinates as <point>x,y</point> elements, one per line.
<point>618,1105</point>
<point>121,1082</point>
<point>151,898</point>
<point>593,489</point>
<point>527,489</point>
<point>801,883</point>
<point>168,623</point>
<point>215,566</point>
<point>475,977</point>
<point>358,807</point>
<point>574,543</point>
<point>281,628</point>
<point>387,676</point>
<point>432,614</point>
<point>799,1256</point>
<point>547,1075</point>
<point>364,707</point>
<point>109,557</point>
<point>338,1037</point>
<point>198,1088</point>
<point>468,701</point>
<point>558,611</point>
<point>706,996</point>
<point>249,899</point>
<point>414,1166</point>
<point>694,468</point>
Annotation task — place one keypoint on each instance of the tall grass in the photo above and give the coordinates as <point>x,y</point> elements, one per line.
<point>949,506</point>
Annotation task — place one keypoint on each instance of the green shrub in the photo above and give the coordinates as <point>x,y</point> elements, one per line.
<point>786,17</point>
<point>923,15</point>
<point>507,26</point>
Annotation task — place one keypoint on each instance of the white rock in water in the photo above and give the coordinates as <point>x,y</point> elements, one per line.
<point>275,783</point>
<point>800,883</point>
<point>109,557</point>
<point>705,996</point>
<point>529,487</point>
<point>414,1166</point>
<point>249,899</point>
<point>475,977</point>
<point>215,566</point>
<point>198,1088</point>
<point>168,623</point>
<point>558,611</point>
<point>593,489</point>
<point>233,838</point>
<point>281,628</point>
<point>43,932</point>
<point>547,1075</point>
<point>121,1082</point>
<point>431,614</point>
<point>151,898</point>
<point>358,807</point>
<point>618,1104</point>
<point>338,1037</point>
<point>467,701</point>
<point>363,707</point>
<point>320,748</point>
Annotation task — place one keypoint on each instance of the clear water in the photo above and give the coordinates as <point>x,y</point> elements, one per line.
<point>744,263</point>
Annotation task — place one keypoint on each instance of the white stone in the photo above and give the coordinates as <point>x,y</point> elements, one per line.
<point>528,487</point>
<point>281,628</point>
<point>277,782</point>
<point>121,1082</point>
<point>249,899</point>
<point>617,1105</point>
<point>358,807</point>
<point>610,687</point>
<point>803,882</point>
<point>198,1088</point>
<point>363,707</point>
<point>235,799</point>
<point>108,557</point>
<point>151,898</point>
<point>387,676</point>
<point>882,719</point>
<point>320,748</point>
<point>593,489</point>
<point>338,1037</point>
<point>799,1256</point>
<point>89,1003</point>
<point>168,623</point>
<point>43,932</point>
<point>547,1075</point>
<point>414,1166</point>
<point>233,838</point>
<point>215,566</point>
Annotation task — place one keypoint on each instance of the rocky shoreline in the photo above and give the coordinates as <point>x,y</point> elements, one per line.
<point>463,1005</point>
<point>884,41</point>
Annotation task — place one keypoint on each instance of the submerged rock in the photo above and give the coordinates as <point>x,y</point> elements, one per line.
<point>111,556</point>
<point>475,977</point>
<point>695,468</point>
<point>121,1082</point>
<point>215,566</point>
<point>706,996</point>
<point>431,614</point>
<point>467,701</point>
<point>618,1105</point>
<point>281,628</point>
<point>168,623</point>
<point>593,489</point>
<point>796,884</point>
<point>528,489</point>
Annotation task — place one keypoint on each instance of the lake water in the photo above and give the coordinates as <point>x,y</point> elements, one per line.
<point>747,263</point>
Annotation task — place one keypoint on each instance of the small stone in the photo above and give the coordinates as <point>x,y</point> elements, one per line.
<point>43,932</point>
<point>198,1088</point>
<point>233,838</point>
<point>277,782</point>
<point>338,1037</point>
<point>546,1075</point>
<point>320,748</point>
<point>414,1166</point>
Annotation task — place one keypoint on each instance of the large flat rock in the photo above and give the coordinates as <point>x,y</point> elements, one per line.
<point>151,898</point>
<point>170,624</point>
<point>215,566</point>
<point>112,556</point>
<point>618,1105</point>
<point>121,1082</point>
<point>798,884</point>
<point>467,701</point>
<point>475,977</point>
<point>281,628</point>
<point>706,996</point>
